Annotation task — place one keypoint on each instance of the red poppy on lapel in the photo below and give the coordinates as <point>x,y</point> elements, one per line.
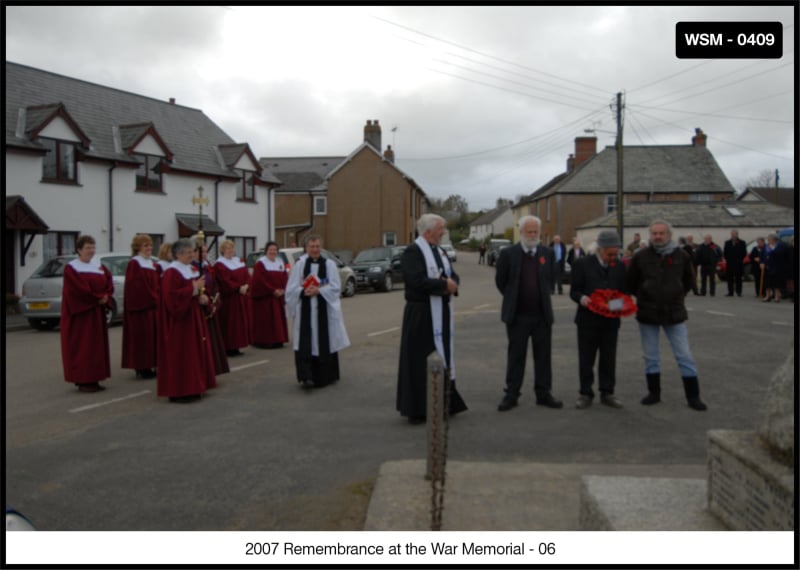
<point>541,260</point>
<point>669,261</point>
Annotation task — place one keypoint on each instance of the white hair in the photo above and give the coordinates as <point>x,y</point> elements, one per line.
<point>530,218</point>
<point>661,223</point>
<point>427,222</point>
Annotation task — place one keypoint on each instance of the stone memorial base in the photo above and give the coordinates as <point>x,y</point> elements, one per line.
<point>747,488</point>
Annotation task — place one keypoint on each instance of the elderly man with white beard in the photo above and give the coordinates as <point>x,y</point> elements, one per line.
<point>525,274</point>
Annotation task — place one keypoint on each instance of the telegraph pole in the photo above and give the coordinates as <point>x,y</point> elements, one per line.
<point>620,221</point>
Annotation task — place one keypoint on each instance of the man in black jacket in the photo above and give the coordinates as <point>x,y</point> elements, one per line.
<point>735,251</point>
<point>525,279</point>
<point>706,257</point>
<point>597,333</point>
<point>660,276</point>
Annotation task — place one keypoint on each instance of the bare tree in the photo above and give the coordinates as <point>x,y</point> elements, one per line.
<point>764,179</point>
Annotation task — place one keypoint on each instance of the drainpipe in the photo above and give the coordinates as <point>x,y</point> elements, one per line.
<point>111,229</point>
<point>216,212</point>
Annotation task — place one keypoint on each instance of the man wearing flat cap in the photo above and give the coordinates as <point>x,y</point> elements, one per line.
<point>597,333</point>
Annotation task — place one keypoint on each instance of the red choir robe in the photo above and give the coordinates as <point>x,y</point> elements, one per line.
<point>84,332</point>
<point>140,321</point>
<point>185,363</point>
<point>210,311</point>
<point>269,312</point>
<point>235,318</point>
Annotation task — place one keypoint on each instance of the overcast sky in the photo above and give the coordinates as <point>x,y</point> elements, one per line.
<point>486,101</point>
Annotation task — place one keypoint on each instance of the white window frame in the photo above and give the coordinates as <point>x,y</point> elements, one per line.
<point>386,238</point>
<point>610,203</point>
<point>320,200</point>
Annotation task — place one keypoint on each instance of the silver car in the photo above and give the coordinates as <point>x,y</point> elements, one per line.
<point>41,292</point>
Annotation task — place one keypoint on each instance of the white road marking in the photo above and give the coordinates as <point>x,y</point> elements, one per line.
<point>97,405</point>
<point>482,306</point>
<point>243,366</point>
<point>720,313</point>
<point>384,332</point>
<point>781,323</point>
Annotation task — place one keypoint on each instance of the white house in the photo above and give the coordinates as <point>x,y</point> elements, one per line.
<point>492,223</point>
<point>82,158</point>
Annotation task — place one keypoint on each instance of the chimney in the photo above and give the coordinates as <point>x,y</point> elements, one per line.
<point>372,134</point>
<point>585,148</point>
<point>699,138</point>
<point>172,100</point>
<point>388,154</point>
<point>571,163</point>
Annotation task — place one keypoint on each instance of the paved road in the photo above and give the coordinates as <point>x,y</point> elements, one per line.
<point>260,454</point>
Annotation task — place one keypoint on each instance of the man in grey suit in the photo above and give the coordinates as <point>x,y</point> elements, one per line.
<point>525,273</point>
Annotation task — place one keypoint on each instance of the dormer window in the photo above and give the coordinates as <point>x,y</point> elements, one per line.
<point>246,191</point>
<point>59,164</point>
<point>148,175</point>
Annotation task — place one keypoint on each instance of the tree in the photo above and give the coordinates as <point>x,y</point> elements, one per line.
<point>764,179</point>
<point>501,202</point>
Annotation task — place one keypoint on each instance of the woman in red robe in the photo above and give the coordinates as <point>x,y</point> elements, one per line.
<point>86,295</point>
<point>233,281</point>
<point>140,321</point>
<point>270,329</point>
<point>185,364</point>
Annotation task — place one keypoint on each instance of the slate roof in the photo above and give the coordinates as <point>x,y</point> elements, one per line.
<point>489,216</point>
<point>781,196</point>
<point>20,216</point>
<point>666,168</point>
<point>699,214</point>
<point>96,109</point>
<point>301,173</point>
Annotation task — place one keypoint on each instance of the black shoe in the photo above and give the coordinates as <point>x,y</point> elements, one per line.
<point>507,403</point>
<point>583,402</point>
<point>308,384</point>
<point>90,388</point>
<point>185,399</point>
<point>549,401</point>
<point>234,353</point>
<point>416,420</point>
<point>610,400</point>
<point>729,294</point>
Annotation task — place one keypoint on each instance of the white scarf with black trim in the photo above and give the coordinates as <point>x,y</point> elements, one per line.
<point>436,301</point>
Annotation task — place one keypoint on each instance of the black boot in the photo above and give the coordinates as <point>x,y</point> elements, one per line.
<point>654,389</point>
<point>692,388</point>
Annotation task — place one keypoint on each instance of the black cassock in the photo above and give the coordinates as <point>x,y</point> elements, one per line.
<point>417,335</point>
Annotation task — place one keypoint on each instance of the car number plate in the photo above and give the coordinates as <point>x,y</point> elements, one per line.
<point>38,306</point>
<point>361,278</point>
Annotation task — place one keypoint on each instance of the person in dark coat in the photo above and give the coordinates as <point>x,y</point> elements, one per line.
<point>597,333</point>
<point>689,248</point>
<point>576,252</point>
<point>775,265</point>
<point>560,253</point>
<point>525,274</point>
<point>756,255</point>
<point>660,277</point>
<point>734,251</point>
<point>707,256</point>
<point>430,285</point>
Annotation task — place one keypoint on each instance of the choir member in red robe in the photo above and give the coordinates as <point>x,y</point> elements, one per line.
<point>140,321</point>
<point>86,295</point>
<point>185,363</point>
<point>200,262</point>
<point>164,257</point>
<point>270,329</point>
<point>234,313</point>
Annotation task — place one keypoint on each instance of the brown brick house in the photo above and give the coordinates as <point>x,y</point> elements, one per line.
<point>355,202</point>
<point>588,188</point>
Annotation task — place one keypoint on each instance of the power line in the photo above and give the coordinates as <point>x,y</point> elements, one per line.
<point>485,54</point>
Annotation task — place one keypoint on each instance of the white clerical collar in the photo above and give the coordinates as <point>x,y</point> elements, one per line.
<point>145,262</point>
<point>82,267</point>
<point>276,265</point>
<point>233,263</point>
<point>188,271</point>
<point>529,251</point>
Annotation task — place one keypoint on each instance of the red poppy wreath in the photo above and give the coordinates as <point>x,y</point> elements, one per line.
<point>605,302</point>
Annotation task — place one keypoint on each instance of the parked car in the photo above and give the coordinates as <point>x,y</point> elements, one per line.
<point>495,245</point>
<point>290,255</point>
<point>379,267</point>
<point>450,251</point>
<point>41,292</point>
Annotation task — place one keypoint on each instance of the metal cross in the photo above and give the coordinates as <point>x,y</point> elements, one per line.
<point>200,201</point>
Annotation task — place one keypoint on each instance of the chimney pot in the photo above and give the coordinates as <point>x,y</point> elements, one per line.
<point>372,134</point>
<point>699,138</point>
<point>172,100</point>
<point>571,163</point>
<point>388,154</point>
